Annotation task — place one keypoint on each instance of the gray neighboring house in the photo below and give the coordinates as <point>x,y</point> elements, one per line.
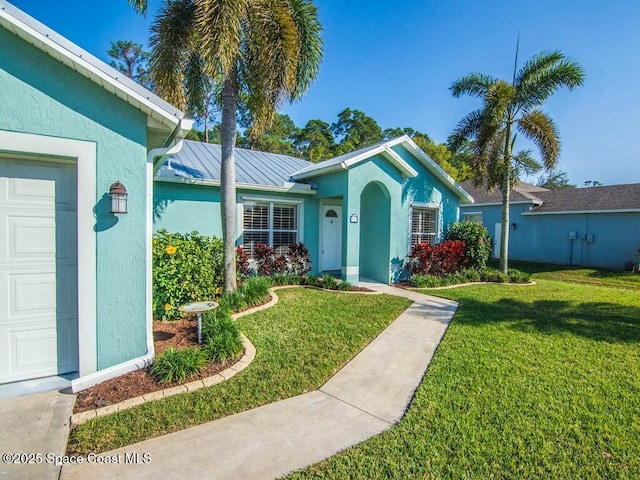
<point>595,227</point>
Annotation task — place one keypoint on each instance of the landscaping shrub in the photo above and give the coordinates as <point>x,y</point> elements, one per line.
<point>516,276</point>
<point>231,301</point>
<point>267,262</point>
<point>220,337</point>
<point>255,290</point>
<point>298,259</point>
<point>286,279</point>
<point>177,365</point>
<point>425,281</point>
<point>243,268</point>
<point>476,239</point>
<point>311,280</point>
<point>329,282</point>
<point>186,268</point>
<point>493,275</point>
<point>344,286</point>
<point>471,275</point>
<point>440,259</point>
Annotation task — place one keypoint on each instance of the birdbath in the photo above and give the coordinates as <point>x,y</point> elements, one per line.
<point>198,308</point>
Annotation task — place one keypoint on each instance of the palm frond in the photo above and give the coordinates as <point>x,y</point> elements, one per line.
<point>498,101</point>
<point>466,129</point>
<point>305,17</point>
<point>525,163</point>
<point>542,131</point>
<point>171,44</point>
<point>220,24</point>
<point>139,6</point>
<point>474,84</point>
<point>544,77</point>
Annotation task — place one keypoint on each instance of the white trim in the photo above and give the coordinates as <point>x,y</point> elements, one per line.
<point>266,198</point>
<point>84,153</point>
<point>438,227</point>
<point>288,187</point>
<point>472,213</point>
<point>497,204</point>
<point>351,270</point>
<point>582,212</point>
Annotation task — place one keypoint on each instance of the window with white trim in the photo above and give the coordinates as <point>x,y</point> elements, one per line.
<point>423,225</point>
<point>472,217</point>
<point>269,223</point>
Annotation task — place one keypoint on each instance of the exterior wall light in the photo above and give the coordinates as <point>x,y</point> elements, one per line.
<point>118,198</point>
<point>513,226</point>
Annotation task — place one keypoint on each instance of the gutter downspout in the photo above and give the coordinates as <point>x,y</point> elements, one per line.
<point>146,359</point>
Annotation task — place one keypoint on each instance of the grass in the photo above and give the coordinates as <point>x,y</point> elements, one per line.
<point>529,382</point>
<point>301,342</point>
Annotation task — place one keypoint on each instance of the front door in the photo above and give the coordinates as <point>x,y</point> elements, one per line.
<point>331,238</point>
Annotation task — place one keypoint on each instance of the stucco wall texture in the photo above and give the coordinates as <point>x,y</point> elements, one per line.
<point>40,95</point>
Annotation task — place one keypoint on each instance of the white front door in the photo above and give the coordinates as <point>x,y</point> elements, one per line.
<point>38,269</point>
<point>331,244</point>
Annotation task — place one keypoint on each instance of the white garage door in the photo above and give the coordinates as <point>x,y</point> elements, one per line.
<point>38,269</point>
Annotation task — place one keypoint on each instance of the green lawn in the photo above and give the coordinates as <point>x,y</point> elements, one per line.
<point>301,342</point>
<point>529,382</point>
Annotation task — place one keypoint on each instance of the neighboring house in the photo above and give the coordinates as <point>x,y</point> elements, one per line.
<point>75,283</point>
<point>359,214</point>
<point>596,227</point>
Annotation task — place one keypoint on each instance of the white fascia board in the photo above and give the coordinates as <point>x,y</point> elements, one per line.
<point>570,212</point>
<point>286,188</point>
<point>497,204</point>
<point>53,46</point>
<point>435,169</point>
<point>406,169</point>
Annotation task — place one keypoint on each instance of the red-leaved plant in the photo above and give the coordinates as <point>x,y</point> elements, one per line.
<point>440,259</point>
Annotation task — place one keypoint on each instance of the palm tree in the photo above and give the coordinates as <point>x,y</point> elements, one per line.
<point>510,107</point>
<point>262,52</point>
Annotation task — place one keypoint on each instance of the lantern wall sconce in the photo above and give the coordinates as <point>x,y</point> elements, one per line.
<point>118,198</point>
<point>513,226</point>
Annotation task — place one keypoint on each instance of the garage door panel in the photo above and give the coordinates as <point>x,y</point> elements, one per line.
<point>32,237</point>
<point>38,182</point>
<point>32,295</point>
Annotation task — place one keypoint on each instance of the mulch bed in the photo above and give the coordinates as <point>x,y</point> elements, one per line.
<point>179,334</point>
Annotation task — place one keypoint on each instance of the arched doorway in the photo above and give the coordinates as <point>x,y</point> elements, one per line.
<point>375,219</point>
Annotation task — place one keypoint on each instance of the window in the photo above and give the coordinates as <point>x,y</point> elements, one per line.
<point>269,223</point>
<point>472,217</point>
<point>423,226</point>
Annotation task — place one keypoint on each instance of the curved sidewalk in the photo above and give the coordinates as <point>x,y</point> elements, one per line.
<point>366,397</point>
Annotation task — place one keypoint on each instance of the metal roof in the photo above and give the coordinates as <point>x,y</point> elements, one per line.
<point>68,53</point>
<point>198,160</point>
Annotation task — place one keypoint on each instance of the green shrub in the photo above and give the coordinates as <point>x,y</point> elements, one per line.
<point>177,365</point>
<point>256,289</point>
<point>329,282</point>
<point>220,337</point>
<point>516,276</point>
<point>471,275</point>
<point>426,281</point>
<point>344,286</point>
<point>232,301</point>
<point>493,275</point>
<point>311,280</point>
<point>476,239</point>
<point>286,279</point>
<point>186,268</point>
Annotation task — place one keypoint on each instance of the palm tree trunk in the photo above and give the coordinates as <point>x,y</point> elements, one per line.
<point>228,180</point>
<point>506,188</point>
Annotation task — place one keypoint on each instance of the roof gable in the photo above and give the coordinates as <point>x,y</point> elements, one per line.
<point>385,149</point>
<point>161,115</point>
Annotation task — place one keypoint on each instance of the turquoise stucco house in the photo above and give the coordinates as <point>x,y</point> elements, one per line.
<point>359,214</point>
<point>75,278</point>
<point>75,291</point>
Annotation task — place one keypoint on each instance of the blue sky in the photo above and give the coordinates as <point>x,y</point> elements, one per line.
<point>396,60</point>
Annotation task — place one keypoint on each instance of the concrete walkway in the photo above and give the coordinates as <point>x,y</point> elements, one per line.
<point>366,397</point>
<point>34,424</point>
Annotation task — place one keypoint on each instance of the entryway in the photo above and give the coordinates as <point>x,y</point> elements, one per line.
<point>331,246</point>
<point>38,269</point>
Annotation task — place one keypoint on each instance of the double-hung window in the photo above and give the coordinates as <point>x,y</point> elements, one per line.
<point>423,225</point>
<point>270,223</point>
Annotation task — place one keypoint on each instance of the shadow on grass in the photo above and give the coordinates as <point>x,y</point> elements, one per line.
<point>607,322</point>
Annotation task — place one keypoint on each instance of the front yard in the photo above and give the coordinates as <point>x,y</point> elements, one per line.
<point>529,382</point>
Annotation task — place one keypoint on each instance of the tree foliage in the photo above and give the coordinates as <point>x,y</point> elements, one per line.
<point>555,180</point>
<point>507,108</point>
<point>131,59</point>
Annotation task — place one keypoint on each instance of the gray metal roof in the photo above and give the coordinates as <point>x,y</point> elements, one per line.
<point>67,52</point>
<point>198,160</point>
